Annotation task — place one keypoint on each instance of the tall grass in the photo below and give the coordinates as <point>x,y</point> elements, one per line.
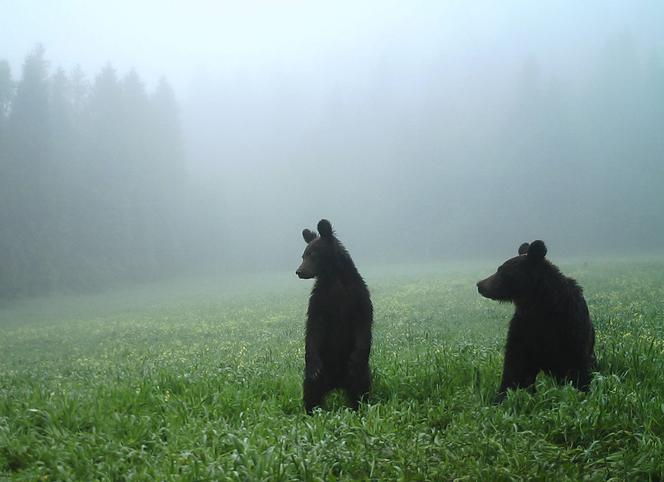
<point>201,380</point>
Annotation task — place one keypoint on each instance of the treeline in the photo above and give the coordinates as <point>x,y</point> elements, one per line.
<point>590,159</point>
<point>575,158</point>
<point>93,187</point>
<point>91,179</point>
<point>431,161</point>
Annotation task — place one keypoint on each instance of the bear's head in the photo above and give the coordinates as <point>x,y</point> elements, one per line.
<point>319,255</point>
<point>517,277</point>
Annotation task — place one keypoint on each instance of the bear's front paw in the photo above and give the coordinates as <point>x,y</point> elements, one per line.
<point>352,369</point>
<point>358,370</point>
<point>313,372</point>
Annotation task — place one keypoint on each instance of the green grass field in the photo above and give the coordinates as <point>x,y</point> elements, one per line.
<point>201,380</point>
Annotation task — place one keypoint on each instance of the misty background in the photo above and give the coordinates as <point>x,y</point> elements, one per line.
<point>147,140</point>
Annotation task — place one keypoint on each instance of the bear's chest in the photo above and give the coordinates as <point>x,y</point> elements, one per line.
<point>541,335</point>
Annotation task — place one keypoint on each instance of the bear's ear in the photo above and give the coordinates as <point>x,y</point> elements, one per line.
<point>537,250</point>
<point>523,249</point>
<point>325,229</point>
<point>308,235</point>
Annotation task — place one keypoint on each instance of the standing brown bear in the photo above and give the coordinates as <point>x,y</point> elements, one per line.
<point>339,319</point>
<point>551,328</point>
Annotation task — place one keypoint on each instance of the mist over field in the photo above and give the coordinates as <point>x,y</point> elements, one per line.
<point>147,140</point>
<point>160,159</point>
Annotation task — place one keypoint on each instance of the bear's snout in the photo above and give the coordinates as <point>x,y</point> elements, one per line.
<point>303,273</point>
<point>483,287</point>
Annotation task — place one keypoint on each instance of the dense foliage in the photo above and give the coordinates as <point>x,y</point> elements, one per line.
<point>202,381</point>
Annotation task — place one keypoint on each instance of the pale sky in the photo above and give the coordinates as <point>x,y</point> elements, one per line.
<point>183,40</point>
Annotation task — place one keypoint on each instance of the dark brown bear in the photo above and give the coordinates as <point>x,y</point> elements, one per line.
<point>338,338</point>
<point>551,328</point>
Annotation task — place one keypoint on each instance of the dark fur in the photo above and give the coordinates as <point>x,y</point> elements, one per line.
<point>339,319</point>
<point>551,328</point>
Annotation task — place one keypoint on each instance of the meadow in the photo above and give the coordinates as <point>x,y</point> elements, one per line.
<point>201,380</point>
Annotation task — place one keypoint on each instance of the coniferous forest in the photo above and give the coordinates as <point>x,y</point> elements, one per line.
<point>91,179</point>
<point>104,180</point>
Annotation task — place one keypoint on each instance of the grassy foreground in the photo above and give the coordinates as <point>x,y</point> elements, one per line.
<point>201,380</point>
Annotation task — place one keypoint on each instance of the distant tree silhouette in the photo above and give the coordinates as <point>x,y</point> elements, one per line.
<point>90,179</point>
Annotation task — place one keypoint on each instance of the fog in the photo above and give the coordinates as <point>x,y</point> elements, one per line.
<point>143,140</point>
